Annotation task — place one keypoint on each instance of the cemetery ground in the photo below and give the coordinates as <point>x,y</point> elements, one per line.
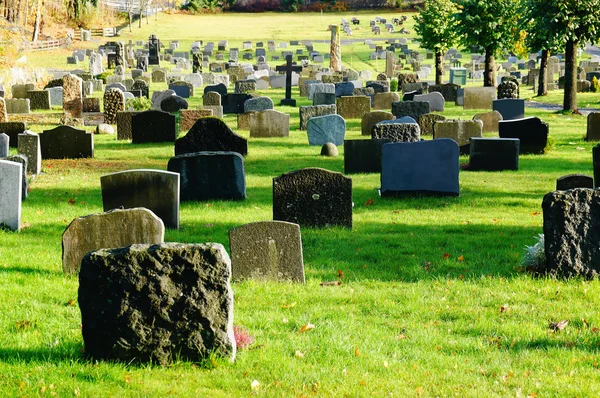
<point>432,299</point>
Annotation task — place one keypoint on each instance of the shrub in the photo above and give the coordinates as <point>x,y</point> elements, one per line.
<point>535,256</point>
<point>394,84</point>
<point>102,76</point>
<point>138,104</point>
<point>595,87</point>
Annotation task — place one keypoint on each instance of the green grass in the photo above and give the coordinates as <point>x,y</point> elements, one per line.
<point>433,300</point>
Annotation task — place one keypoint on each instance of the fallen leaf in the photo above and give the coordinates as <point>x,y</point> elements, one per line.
<point>427,265</point>
<point>461,258</point>
<point>356,351</point>
<point>401,337</point>
<point>363,383</point>
<point>446,256</point>
<point>307,327</point>
<point>299,354</point>
<point>207,205</point>
<point>535,213</point>
<point>495,220</point>
<point>71,303</point>
<point>290,305</point>
<point>369,202</point>
<point>503,308</point>
<point>558,325</point>
<point>127,378</point>
<point>71,201</point>
<point>340,273</point>
<point>255,385</point>
<point>330,283</point>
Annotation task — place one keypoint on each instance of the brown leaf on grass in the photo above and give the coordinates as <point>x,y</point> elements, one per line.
<point>495,220</point>
<point>71,303</point>
<point>401,337</point>
<point>461,258</point>
<point>207,205</point>
<point>356,351</point>
<point>427,265</point>
<point>340,273</point>
<point>369,202</point>
<point>24,324</point>
<point>330,283</point>
<point>503,308</point>
<point>127,378</point>
<point>595,330</point>
<point>558,325</point>
<point>71,201</point>
<point>446,256</point>
<point>535,213</point>
<point>306,328</point>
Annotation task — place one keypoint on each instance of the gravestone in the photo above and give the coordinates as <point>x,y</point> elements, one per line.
<point>267,250</point>
<point>3,111</point>
<point>288,68</point>
<point>159,76</point>
<point>413,109</point>
<point>572,181</point>
<point>21,90</point>
<point>38,99</point>
<point>313,88</point>
<point>427,122</point>
<point>258,104</point>
<point>396,131</point>
<point>269,123</point>
<point>115,228</point>
<point>10,194</point>
<point>4,145</point>
<point>29,145</point>
<point>371,118</point>
<point>159,96</point>
<point>219,89</point>
<point>435,99</point>
<point>460,131</point>
<point>593,126</point>
<point>125,125</point>
<point>323,129</point>
<point>353,107</point>
<point>245,86</point>
<point>114,101</point>
<point>153,126</point>
<point>155,190</point>
<point>182,91</point>
<point>313,197</point>
<point>18,105</point>
<point>125,293</point>
<point>210,176</point>
<point>22,160</point>
<point>494,154</point>
<point>449,91</point>
<point>56,96</point>
<point>363,156</point>
<point>344,89</point>
<point>490,120</point>
<point>306,112</point>
<point>385,100</point>
<point>141,85</point>
<point>12,130</point>
<point>510,108</point>
<point>479,97</point>
<point>189,117</point>
<point>153,50</point>
<point>173,104</point>
<point>571,233</point>
<point>66,142</point>
<point>324,99</point>
<point>72,96</point>
<point>531,131</point>
<point>426,167</point>
<point>95,64</point>
<point>210,134</point>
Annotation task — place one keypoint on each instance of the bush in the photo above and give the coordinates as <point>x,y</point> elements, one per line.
<point>138,104</point>
<point>595,87</point>
<point>102,76</point>
<point>535,256</point>
<point>394,84</point>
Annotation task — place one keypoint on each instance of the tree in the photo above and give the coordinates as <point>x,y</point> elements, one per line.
<point>574,23</point>
<point>435,27</point>
<point>491,25</point>
<point>39,6</point>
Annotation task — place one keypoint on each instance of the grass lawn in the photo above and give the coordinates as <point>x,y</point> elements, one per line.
<point>433,300</point>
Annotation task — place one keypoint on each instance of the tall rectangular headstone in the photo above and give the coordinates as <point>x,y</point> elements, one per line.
<point>29,145</point>
<point>72,96</point>
<point>10,194</point>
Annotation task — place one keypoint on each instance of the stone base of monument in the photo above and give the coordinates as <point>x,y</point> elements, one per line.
<point>288,102</point>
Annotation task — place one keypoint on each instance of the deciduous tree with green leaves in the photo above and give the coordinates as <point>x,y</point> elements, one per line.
<point>491,25</point>
<point>435,26</point>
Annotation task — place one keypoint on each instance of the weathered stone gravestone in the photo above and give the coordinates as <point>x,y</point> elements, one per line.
<point>396,131</point>
<point>72,96</point>
<point>269,123</point>
<point>10,194</point>
<point>125,293</point>
<point>323,129</point>
<point>510,108</point>
<point>267,250</point>
<point>182,88</point>
<point>435,99</point>
<point>313,197</point>
<point>572,181</point>
<point>426,167</point>
<point>21,90</point>
<point>344,89</point>
<point>210,176</point>
<point>413,109</point>
<point>258,104</point>
<point>479,97</point>
<point>427,122</point>
<point>460,131</point>
<point>494,154</point>
<point>56,96</point>
<point>22,160</point>
<point>173,104</point>
<point>385,100</point>
<point>17,105</point>
<point>95,64</point>
<point>29,145</point>
<point>572,232</point>
<point>363,156</point>
<point>12,130</point>
<point>155,190</point>
<point>115,228</point>
<point>531,131</point>
<point>307,112</point>
<point>66,142</point>
<point>153,126</point>
<point>324,99</point>
<point>353,107</point>
<point>210,134</point>
<point>593,126</point>
<point>314,88</point>
<point>371,118</point>
<point>38,99</point>
<point>190,116</point>
<point>124,125</point>
<point>114,101</point>
<point>159,96</point>
<point>449,91</point>
<point>490,120</point>
<point>4,145</point>
<point>159,76</point>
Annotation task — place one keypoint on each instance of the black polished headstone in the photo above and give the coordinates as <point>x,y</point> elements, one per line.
<point>363,156</point>
<point>153,126</point>
<point>66,142</point>
<point>531,131</point>
<point>210,134</point>
<point>494,154</point>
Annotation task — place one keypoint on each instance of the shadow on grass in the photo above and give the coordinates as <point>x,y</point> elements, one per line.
<point>67,352</point>
<point>30,271</point>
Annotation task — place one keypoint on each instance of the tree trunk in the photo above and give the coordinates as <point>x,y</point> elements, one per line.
<point>130,14</point>
<point>489,74</point>
<point>570,97</point>
<point>140,25</point>
<point>439,68</point>
<point>542,79</point>
<point>38,19</point>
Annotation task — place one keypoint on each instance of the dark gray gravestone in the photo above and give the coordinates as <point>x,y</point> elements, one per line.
<point>152,126</point>
<point>397,132</point>
<point>572,181</point>
<point>426,167</point>
<point>66,142</point>
<point>173,104</point>
<point>510,108</point>
<point>22,159</point>
<point>210,134</point>
<point>234,103</point>
<point>12,130</point>
<point>449,91</point>
<point>413,109</point>
<point>125,295</point>
<point>532,132</point>
<point>218,88</point>
<point>306,112</point>
<point>313,197</point>
<point>267,250</point>
<point>124,125</point>
<point>410,95</point>
<point>155,190</point>
<point>182,91</point>
<point>494,154</point>
<point>363,156</point>
<point>593,126</point>
<point>323,99</point>
<point>344,89</point>
<point>572,232</point>
<point>210,175</point>
<point>323,129</point>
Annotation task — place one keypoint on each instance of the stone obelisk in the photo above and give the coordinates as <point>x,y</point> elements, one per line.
<point>335,52</point>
